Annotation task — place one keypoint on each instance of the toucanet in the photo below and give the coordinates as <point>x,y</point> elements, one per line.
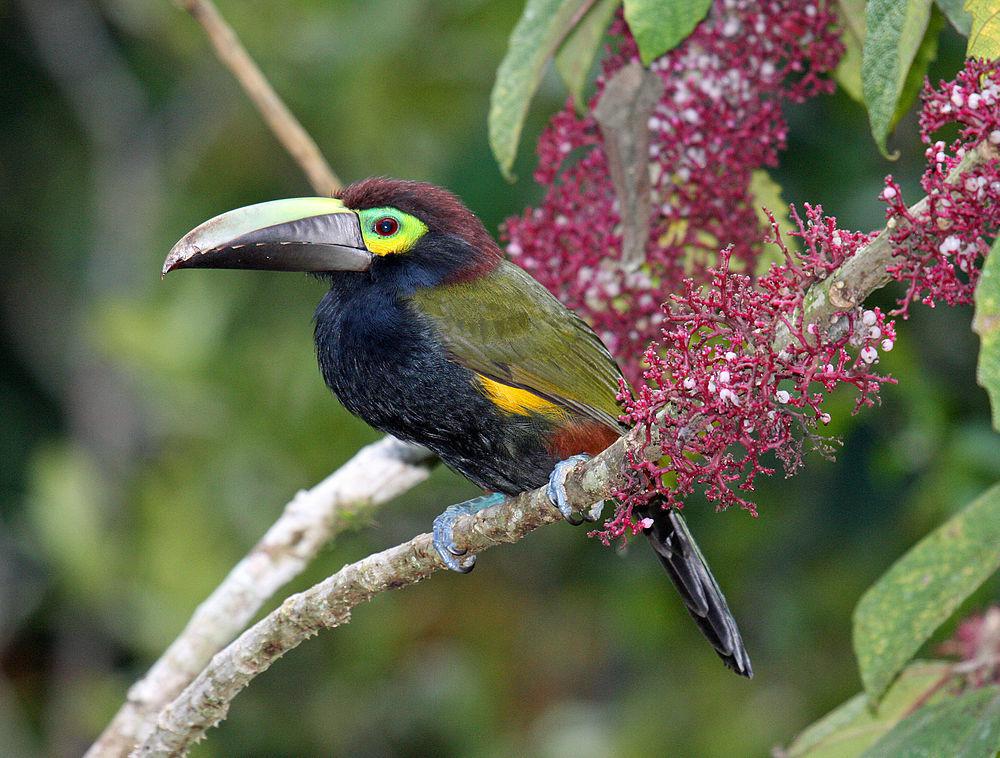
<point>429,334</point>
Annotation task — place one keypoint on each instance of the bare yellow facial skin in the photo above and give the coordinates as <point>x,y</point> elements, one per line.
<point>387,231</point>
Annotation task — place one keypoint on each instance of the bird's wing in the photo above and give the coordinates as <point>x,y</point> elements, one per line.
<point>507,327</point>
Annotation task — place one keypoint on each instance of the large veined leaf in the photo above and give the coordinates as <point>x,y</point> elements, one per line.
<point>852,23</point>
<point>894,32</point>
<point>984,36</point>
<point>922,589</point>
<point>987,325</point>
<point>853,727</point>
<point>576,56</point>
<point>542,27</point>
<point>967,726</point>
<point>661,25</point>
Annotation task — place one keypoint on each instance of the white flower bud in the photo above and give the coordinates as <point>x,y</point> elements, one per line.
<point>869,354</point>
<point>887,345</point>
<point>782,396</point>
<point>950,245</point>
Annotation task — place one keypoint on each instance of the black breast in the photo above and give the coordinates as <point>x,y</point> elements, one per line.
<point>384,363</point>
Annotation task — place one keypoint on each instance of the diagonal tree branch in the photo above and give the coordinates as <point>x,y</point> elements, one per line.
<point>868,270</point>
<point>328,604</point>
<point>377,473</point>
<point>286,127</point>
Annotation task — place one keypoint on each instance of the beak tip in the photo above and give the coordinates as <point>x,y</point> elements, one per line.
<point>177,257</point>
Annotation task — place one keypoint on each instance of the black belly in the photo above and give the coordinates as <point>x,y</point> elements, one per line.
<point>384,364</point>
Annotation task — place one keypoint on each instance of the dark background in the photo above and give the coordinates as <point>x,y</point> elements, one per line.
<point>150,431</point>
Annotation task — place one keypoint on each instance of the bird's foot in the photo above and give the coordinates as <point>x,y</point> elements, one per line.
<point>557,491</point>
<point>444,526</point>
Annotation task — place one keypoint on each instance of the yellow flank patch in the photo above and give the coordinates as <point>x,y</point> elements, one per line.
<point>515,400</point>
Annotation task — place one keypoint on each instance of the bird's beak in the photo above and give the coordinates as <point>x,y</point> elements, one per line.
<point>299,234</point>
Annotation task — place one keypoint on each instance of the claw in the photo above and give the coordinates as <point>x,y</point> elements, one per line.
<point>557,490</point>
<point>455,558</point>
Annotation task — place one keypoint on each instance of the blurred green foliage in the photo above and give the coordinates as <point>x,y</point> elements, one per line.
<point>152,431</point>
<point>913,598</point>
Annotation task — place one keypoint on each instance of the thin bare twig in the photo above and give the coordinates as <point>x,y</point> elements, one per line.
<point>328,604</point>
<point>285,126</point>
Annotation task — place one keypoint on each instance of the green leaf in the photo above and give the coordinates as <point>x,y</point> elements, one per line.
<point>661,25</point>
<point>926,54</point>
<point>538,33</point>
<point>576,57</point>
<point>853,726</point>
<point>767,194</point>
<point>848,71</point>
<point>893,34</point>
<point>987,325</point>
<point>957,15</point>
<point>921,590</point>
<point>984,37</point>
<point>967,726</point>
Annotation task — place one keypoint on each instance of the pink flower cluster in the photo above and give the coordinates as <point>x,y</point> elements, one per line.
<point>946,240</point>
<point>977,643</point>
<point>734,376</point>
<point>718,120</point>
<point>741,372</point>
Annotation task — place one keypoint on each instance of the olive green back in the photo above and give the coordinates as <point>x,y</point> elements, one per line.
<point>507,327</point>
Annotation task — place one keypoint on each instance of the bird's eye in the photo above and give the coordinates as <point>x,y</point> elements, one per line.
<point>386,227</point>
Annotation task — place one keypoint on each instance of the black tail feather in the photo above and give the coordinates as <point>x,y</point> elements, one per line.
<point>686,566</point>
